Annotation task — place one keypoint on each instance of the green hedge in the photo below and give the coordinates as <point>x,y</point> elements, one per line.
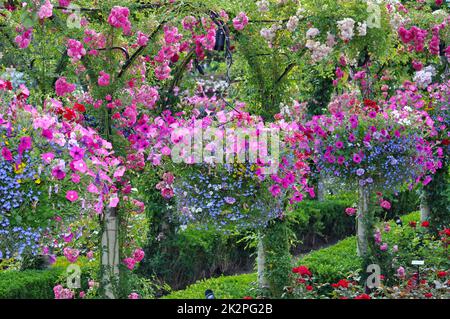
<point>333,263</point>
<point>317,223</point>
<point>327,265</point>
<point>195,253</point>
<point>225,287</point>
<point>28,284</point>
<point>37,284</point>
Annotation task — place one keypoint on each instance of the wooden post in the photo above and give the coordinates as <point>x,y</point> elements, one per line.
<point>424,207</point>
<point>110,253</point>
<point>261,263</point>
<point>321,188</point>
<point>363,210</point>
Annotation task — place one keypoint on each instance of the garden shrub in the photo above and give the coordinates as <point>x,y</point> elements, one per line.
<point>334,262</point>
<point>28,284</point>
<point>321,222</point>
<point>438,195</point>
<point>195,253</point>
<point>402,203</point>
<point>38,284</point>
<point>224,287</point>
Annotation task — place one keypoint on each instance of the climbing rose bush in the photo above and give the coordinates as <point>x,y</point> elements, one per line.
<point>56,168</point>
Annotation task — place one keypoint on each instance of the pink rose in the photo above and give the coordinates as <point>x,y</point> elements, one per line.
<point>138,255</point>
<point>385,204</point>
<point>72,196</point>
<point>240,21</point>
<point>104,79</point>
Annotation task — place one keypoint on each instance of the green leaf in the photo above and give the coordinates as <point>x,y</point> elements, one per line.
<point>28,19</point>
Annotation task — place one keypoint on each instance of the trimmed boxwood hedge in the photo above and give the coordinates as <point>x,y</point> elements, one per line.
<point>37,284</point>
<point>28,284</point>
<point>224,287</point>
<point>317,223</point>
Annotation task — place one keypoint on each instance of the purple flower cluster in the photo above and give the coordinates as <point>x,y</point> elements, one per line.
<point>222,197</point>
<point>15,240</point>
<point>15,189</point>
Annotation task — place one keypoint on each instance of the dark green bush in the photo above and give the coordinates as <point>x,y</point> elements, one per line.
<point>38,284</point>
<point>194,253</point>
<point>28,284</point>
<point>402,203</point>
<point>317,223</point>
<point>437,194</point>
<point>224,287</point>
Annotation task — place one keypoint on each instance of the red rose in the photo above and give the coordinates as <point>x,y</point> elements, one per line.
<point>371,104</point>
<point>441,274</point>
<point>302,271</point>
<point>412,224</point>
<point>428,295</point>
<point>174,58</point>
<point>425,224</point>
<point>363,296</point>
<point>309,287</point>
<point>69,114</point>
<point>343,283</point>
<point>247,298</point>
<point>8,85</point>
<point>79,108</point>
